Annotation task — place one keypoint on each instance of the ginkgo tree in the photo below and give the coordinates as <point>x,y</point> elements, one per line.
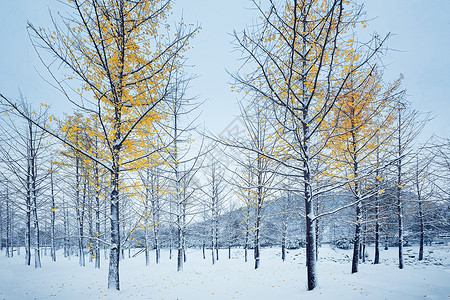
<point>120,53</point>
<point>294,62</point>
<point>257,179</point>
<point>89,177</point>
<point>363,118</point>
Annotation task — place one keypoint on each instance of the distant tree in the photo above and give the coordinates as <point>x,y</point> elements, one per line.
<point>363,116</point>
<point>409,124</point>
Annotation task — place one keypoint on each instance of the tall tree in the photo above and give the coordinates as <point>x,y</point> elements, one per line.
<point>292,62</point>
<point>409,124</point>
<point>122,56</point>
<point>363,116</point>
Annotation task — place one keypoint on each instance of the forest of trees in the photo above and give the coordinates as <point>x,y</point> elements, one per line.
<point>328,151</point>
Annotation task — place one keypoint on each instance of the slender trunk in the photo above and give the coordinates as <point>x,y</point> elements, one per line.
<point>122,249</point>
<point>421,231</point>
<point>155,215</point>
<point>37,250</point>
<point>310,236</point>
<point>354,154</point>
<point>78,212</point>
<point>217,234</point>
<point>317,231</point>
<point>147,224</point>
<point>247,228</point>
<point>11,230</point>
<point>399,199</point>
<point>363,248</point>
<point>8,226</point>
<point>157,251</point>
<point>377,230</point>
<point>97,227</point>
<point>28,216</point>
<point>183,239</point>
<point>203,249</point>
<point>307,180</point>
<point>310,228</point>
<point>309,212</point>
<point>113,272</point>
<point>91,229</point>
<point>212,244</point>
<point>258,213</point>
<point>105,225</point>
<point>28,239</point>
<point>283,238</point>
<point>386,241</point>
<point>179,246</point>
<point>419,201</point>
<point>114,254</point>
<point>377,208</point>
<point>66,230</point>
<point>356,242</point>
<point>170,242</point>
<point>53,247</point>
<point>246,245</point>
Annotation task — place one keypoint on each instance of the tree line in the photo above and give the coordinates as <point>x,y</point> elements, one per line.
<point>328,151</point>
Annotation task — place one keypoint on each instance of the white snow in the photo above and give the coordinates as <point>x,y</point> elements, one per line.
<point>234,279</point>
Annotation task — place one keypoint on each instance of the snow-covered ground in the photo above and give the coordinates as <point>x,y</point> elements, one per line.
<point>234,279</point>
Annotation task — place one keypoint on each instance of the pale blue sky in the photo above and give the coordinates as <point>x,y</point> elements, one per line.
<point>420,28</point>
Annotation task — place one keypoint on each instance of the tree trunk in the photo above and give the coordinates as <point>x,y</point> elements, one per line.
<point>217,234</point>
<point>212,245</point>
<point>155,214</point>
<point>113,271</point>
<point>356,241</point>
<point>91,229</point>
<point>203,249</point>
<point>53,247</point>
<point>317,232</point>
<point>310,240</point>
<point>283,239</point>
<point>28,218</point>
<point>258,212</point>
<point>11,226</point>
<point>8,227</point>
<point>122,249</point>
<point>37,250</point>
<point>363,248</point>
<point>310,228</point>
<point>421,231</point>
<point>256,246</point>
<point>386,241</point>
<point>398,195</point>
<point>246,246</point>
<point>97,229</point>
<point>179,247</point>
<point>66,230</point>
<point>377,230</point>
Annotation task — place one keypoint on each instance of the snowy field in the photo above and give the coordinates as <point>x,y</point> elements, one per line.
<point>234,279</point>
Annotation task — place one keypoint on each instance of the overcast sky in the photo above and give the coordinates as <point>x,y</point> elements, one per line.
<point>421,39</point>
